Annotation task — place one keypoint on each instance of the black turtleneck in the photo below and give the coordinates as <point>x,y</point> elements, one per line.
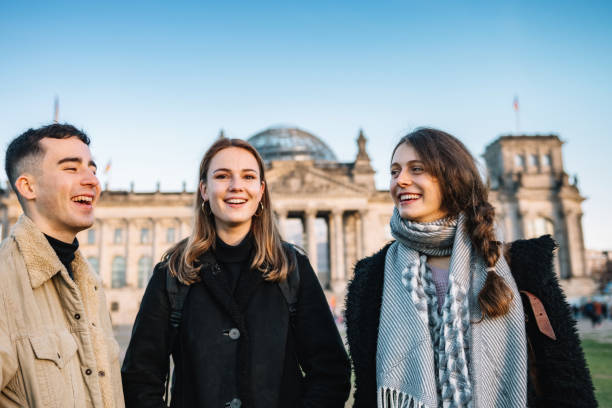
<point>234,259</point>
<point>65,252</point>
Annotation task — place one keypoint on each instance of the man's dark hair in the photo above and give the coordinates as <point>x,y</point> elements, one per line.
<point>27,145</point>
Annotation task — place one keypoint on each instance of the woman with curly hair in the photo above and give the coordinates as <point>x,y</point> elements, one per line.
<point>435,319</point>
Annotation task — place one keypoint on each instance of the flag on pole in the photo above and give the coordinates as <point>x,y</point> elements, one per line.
<point>107,167</point>
<point>515,104</point>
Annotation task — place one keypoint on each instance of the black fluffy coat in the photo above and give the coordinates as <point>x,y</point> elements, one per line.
<point>563,378</point>
<point>562,375</point>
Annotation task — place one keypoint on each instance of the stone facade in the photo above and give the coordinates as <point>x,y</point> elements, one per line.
<point>534,196</point>
<point>334,211</point>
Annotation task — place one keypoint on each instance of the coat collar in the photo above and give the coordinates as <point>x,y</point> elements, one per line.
<point>247,284</point>
<point>40,259</point>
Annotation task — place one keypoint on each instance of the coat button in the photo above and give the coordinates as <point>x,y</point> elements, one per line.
<point>101,373</point>
<point>216,270</point>
<point>234,334</point>
<point>88,371</point>
<point>235,403</point>
<point>77,316</point>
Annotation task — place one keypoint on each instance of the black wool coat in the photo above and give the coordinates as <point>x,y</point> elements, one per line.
<point>563,380</point>
<point>238,347</point>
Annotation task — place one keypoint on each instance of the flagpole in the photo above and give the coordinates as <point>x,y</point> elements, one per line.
<point>107,173</point>
<point>515,105</point>
<point>56,109</point>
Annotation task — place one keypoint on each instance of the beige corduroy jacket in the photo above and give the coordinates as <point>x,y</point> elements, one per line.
<point>57,348</point>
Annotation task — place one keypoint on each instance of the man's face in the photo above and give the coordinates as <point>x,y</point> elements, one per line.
<point>66,188</point>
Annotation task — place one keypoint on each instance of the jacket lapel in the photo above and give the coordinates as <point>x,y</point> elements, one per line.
<point>248,283</point>
<point>41,261</point>
<point>218,288</point>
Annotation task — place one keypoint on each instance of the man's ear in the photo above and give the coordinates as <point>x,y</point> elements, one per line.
<point>26,186</point>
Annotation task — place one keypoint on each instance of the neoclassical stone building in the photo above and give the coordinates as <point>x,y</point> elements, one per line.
<point>533,196</point>
<point>331,209</point>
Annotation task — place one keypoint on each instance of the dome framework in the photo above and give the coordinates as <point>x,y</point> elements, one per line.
<point>290,144</point>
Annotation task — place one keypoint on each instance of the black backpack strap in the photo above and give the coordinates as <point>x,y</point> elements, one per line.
<point>291,286</point>
<point>177,293</point>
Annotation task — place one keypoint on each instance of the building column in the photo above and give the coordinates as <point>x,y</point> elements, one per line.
<point>359,238</point>
<point>155,235</point>
<point>185,231</point>
<point>103,261</point>
<point>331,242</point>
<point>311,237</point>
<point>364,247</point>
<point>282,222</point>
<point>575,246</point>
<point>338,243</point>
<point>131,278</point>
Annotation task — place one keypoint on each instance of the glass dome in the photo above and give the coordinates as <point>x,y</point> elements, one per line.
<point>290,144</point>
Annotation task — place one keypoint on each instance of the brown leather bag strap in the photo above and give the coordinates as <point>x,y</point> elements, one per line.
<point>540,315</point>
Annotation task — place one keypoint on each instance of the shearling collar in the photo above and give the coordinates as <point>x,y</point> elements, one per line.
<point>41,260</point>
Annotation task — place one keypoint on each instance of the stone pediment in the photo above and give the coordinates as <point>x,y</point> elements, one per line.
<point>303,180</point>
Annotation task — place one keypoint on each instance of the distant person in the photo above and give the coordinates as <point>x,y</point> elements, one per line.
<point>435,319</point>
<point>242,340</point>
<point>597,314</point>
<point>56,340</point>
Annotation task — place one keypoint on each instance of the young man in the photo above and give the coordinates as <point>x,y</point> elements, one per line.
<point>56,341</point>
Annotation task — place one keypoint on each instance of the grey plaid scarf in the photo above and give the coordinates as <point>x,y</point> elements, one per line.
<point>427,358</point>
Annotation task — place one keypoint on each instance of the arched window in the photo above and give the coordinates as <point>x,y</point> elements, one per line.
<point>118,272</point>
<point>93,261</point>
<point>145,265</point>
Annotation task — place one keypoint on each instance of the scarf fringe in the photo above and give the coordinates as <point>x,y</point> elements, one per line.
<point>392,398</point>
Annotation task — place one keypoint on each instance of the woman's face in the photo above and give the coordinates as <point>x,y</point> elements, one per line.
<point>415,192</point>
<point>233,188</point>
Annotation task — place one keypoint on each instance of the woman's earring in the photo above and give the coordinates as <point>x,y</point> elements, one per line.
<point>206,209</point>
<point>261,210</point>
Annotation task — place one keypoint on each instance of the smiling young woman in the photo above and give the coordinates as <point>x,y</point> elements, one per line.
<point>447,299</point>
<point>238,345</point>
<point>435,319</point>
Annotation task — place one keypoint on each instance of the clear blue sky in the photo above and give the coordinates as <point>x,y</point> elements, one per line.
<point>153,82</point>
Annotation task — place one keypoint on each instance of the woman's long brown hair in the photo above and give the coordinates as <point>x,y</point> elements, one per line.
<point>269,256</point>
<point>451,163</point>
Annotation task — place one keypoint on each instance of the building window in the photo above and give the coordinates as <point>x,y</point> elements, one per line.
<point>145,236</point>
<point>533,160</point>
<point>144,270</point>
<point>118,272</point>
<point>91,236</point>
<point>93,261</point>
<point>170,235</point>
<point>114,306</point>
<point>118,237</point>
<point>539,226</point>
<point>547,160</point>
<point>519,161</point>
